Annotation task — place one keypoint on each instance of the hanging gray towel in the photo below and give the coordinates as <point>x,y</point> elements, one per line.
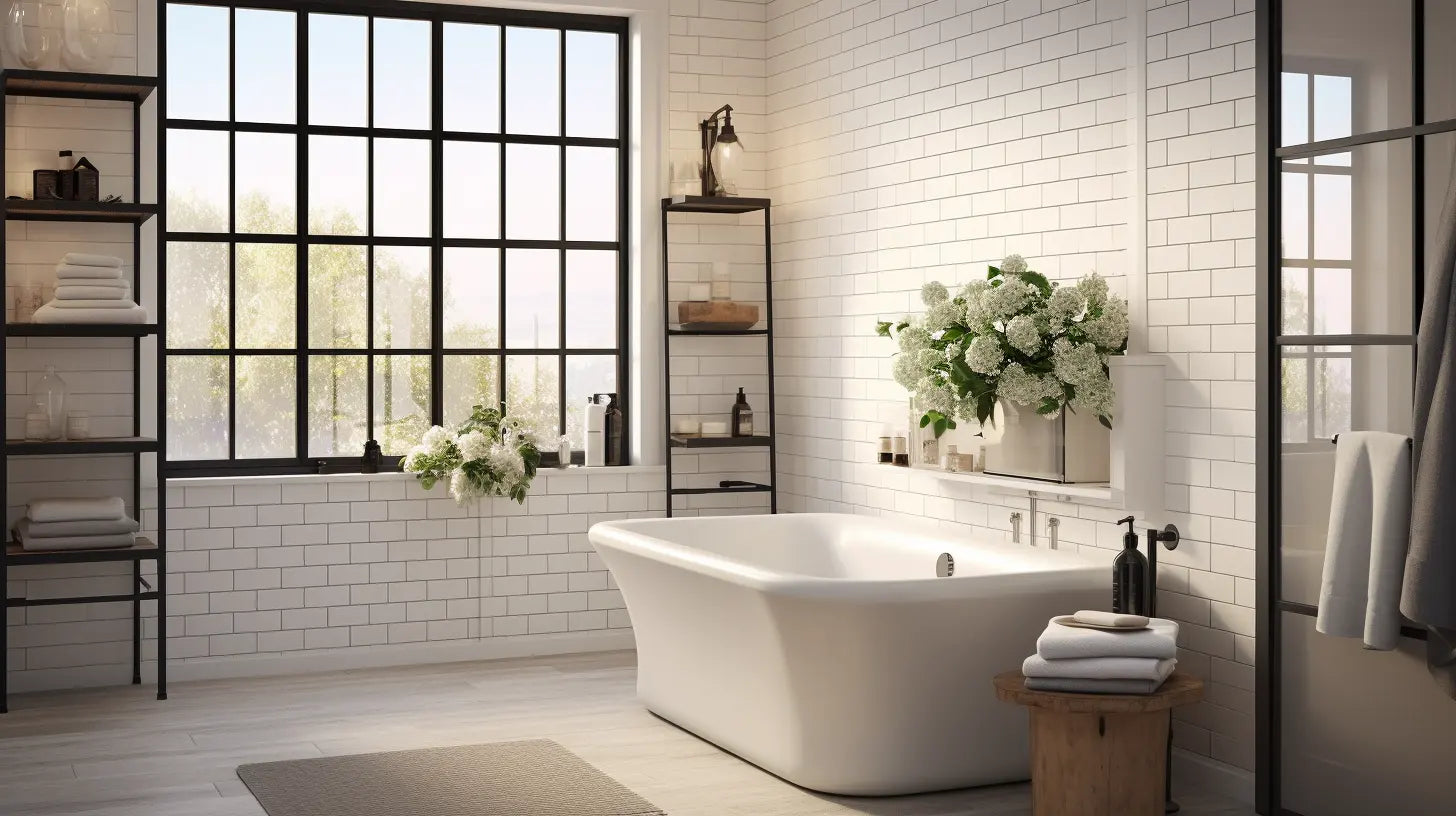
<point>1369,531</point>
<point>1429,595</point>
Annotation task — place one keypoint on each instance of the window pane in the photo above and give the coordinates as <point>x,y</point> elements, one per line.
<point>1295,301</point>
<point>591,84</point>
<point>337,300</point>
<point>472,190</point>
<point>533,191</point>
<point>532,303</point>
<point>402,187</point>
<point>197,181</point>
<point>336,405</point>
<point>402,297</point>
<point>197,295</point>
<point>1294,390</point>
<point>337,185</point>
<point>1294,109</point>
<point>401,73</point>
<point>401,401</point>
<point>267,192</point>
<point>197,407</point>
<point>1332,396</point>
<point>1332,213</point>
<point>472,298</point>
<point>338,70</point>
<point>1367,39</point>
<point>1294,216</point>
<point>533,81</point>
<point>1333,107</point>
<point>470,380</point>
<point>267,295</point>
<point>267,68</point>
<point>533,393</point>
<point>591,194</point>
<point>266,406</point>
<point>472,77</point>
<point>1333,302</point>
<point>197,37</point>
<point>591,299</point>
<point>586,375</point>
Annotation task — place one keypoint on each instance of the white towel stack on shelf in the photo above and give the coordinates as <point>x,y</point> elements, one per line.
<point>1097,661</point>
<point>90,289</point>
<point>76,524</point>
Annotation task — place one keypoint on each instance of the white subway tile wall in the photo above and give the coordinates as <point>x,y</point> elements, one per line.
<point>918,141</point>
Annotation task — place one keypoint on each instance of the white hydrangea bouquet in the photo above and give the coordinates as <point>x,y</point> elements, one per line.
<point>1015,337</point>
<point>490,455</point>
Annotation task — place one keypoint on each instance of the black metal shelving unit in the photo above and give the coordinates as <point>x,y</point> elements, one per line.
<point>135,90</point>
<point>723,205</point>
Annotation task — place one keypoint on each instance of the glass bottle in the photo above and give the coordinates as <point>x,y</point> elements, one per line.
<point>88,35</point>
<point>50,399</point>
<point>28,44</point>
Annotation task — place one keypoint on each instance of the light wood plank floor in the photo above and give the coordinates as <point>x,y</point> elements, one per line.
<point>119,752</point>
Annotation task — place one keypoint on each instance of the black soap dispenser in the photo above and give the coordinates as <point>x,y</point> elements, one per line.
<point>1129,575</point>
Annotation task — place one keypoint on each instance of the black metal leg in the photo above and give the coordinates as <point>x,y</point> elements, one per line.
<point>136,624</point>
<point>4,634</point>
<point>1170,806</point>
<point>162,617</point>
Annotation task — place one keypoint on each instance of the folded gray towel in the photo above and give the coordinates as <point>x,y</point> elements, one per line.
<point>99,542</point>
<point>1084,686</point>
<point>90,527</point>
<point>101,508</point>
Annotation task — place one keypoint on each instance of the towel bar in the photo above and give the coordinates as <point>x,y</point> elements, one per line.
<point>1335,440</point>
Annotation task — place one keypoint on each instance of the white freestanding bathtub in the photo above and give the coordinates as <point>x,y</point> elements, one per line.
<point>823,647</point>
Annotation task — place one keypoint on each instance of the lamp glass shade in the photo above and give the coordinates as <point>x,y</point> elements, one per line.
<point>727,159</point>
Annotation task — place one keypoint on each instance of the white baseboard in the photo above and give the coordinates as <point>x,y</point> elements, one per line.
<point>1212,776</point>
<point>325,660</point>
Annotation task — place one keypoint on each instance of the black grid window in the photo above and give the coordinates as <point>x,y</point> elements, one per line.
<point>379,216</point>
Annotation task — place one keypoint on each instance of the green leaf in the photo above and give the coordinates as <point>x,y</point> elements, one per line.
<point>985,406</point>
<point>940,425</point>
<point>925,420</point>
<point>1106,421</point>
<point>899,327</point>
<point>1048,405</point>
<point>1038,280</point>
<point>992,273</point>
<point>950,423</point>
<point>882,328</point>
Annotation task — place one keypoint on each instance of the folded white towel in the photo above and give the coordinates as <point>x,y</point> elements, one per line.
<point>86,259</point>
<point>1098,668</point>
<point>92,303</point>
<point>80,292</point>
<point>1368,536</point>
<point>69,272</point>
<point>1159,640</point>
<point>97,283</point>
<point>97,542</point>
<point>99,508</point>
<point>52,313</point>
<point>1084,686</point>
<point>62,529</point>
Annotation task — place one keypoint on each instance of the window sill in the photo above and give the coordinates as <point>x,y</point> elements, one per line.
<point>321,478</point>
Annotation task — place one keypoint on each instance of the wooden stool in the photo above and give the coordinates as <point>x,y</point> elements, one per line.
<point>1099,754</point>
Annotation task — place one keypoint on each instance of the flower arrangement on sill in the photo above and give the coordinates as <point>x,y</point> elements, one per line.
<point>1016,337</point>
<point>490,455</point>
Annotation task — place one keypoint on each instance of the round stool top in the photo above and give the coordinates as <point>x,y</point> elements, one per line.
<point>1179,689</point>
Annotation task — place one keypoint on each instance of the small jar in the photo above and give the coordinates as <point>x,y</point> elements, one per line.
<point>78,425</point>
<point>563,452</point>
<point>902,452</point>
<point>951,458</point>
<point>37,425</point>
<point>722,288</point>
<point>887,451</point>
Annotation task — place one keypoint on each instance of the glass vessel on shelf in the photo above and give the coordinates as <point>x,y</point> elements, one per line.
<point>49,397</point>
<point>88,35</point>
<point>28,44</point>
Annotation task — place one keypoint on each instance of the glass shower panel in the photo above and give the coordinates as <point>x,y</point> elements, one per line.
<point>1363,50</point>
<point>1345,238</point>
<point>1329,390</point>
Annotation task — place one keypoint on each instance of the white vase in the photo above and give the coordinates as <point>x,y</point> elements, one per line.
<point>28,42</point>
<point>1073,449</point>
<point>49,397</point>
<point>88,35</point>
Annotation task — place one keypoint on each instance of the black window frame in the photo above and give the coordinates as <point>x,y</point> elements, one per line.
<point>437,15</point>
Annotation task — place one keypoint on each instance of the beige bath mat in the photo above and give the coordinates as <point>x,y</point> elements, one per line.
<point>530,778</point>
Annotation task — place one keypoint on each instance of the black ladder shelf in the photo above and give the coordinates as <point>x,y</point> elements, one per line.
<point>135,90</point>
<point>730,205</point>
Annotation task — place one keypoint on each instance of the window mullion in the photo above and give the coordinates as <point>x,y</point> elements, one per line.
<point>301,228</point>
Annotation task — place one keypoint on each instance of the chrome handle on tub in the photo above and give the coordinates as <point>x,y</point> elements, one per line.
<point>1016,528</point>
<point>1052,524</point>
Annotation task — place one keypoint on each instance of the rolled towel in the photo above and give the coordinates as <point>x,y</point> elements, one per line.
<point>69,272</point>
<point>98,508</point>
<point>1081,685</point>
<point>1099,668</point>
<point>86,259</point>
<point>92,303</point>
<point>63,529</point>
<point>1058,642</point>
<point>52,313</point>
<point>101,542</point>
<point>68,292</point>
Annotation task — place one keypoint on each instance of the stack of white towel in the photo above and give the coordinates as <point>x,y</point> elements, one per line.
<point>76,524</point>
<point>1097,661</point>
<point>90,289</point>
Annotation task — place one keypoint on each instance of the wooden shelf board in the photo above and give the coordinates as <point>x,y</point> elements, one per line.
<point>95,211</point>
<point>691,441</point>
<point>714,204</point>
<point>71,85</point>
<point>70,447</point>
<point>143,549</point>
<point>80,329</point>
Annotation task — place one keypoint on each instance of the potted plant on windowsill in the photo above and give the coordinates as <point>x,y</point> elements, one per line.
<point>1018,350</point>
<point>490,454</point>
